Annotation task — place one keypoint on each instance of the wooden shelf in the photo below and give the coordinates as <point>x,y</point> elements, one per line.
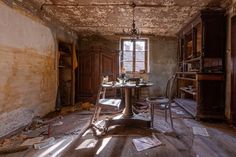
<point>193,59</point>
<point>187,91</point>
<point>209,77</point>
<point>185,78</point>
<point>65,54</point>
<point>61,66</point>
<point>188,73</point>
<point>201,64</point>
<point>188,105</point>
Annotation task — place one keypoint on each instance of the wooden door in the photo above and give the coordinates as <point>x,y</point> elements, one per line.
<point>91,67</point>
<point>108,66</point>
<point>233,77</point>
<point>86,62</point>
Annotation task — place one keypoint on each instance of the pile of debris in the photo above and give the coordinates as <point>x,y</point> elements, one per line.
<point>82,106</point>
<point>38,134</point>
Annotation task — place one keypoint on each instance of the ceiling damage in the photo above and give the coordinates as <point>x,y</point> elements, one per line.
<point>109,17</point>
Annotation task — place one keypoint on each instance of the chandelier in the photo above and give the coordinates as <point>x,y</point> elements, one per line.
<point>133,31</point>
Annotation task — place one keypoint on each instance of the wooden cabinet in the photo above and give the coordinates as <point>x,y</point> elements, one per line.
<point>92,65</point>
<point>201,65</point>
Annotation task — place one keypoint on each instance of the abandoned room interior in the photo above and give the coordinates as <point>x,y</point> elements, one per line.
<point>117,78</point>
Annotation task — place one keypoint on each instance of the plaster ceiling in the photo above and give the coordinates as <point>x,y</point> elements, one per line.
<point>155,17</point>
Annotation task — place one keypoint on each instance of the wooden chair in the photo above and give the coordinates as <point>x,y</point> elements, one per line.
<point>166,101</point>
<point>103,102</point>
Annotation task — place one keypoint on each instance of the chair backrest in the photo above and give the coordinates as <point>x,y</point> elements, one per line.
<point>101,90</point>
<point>170,87</point>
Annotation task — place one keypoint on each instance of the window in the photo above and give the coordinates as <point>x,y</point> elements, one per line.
<point>134,55</point>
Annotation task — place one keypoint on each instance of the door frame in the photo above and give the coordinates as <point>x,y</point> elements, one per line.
<point>233,72</point>
<point>72,45</point>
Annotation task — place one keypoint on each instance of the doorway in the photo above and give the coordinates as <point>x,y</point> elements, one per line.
<point>65,89</point>
<point>233,76</point>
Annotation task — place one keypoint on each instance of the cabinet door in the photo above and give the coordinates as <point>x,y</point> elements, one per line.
<point>109,66</point>
<point>86,75</point>
<point>214,36</point>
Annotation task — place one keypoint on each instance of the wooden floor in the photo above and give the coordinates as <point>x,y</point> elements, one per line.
<point>118,141</point>
<point>189,105</point>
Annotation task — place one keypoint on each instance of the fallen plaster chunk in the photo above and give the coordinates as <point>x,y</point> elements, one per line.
<point>57,123</point>
<point>32,141</point>
<point>200,131</point>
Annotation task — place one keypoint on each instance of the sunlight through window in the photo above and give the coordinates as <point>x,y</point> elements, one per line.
<point>105,141</point>
<point>89,143</point>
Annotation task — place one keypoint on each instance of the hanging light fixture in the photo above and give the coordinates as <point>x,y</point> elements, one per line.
<point>133,31</point>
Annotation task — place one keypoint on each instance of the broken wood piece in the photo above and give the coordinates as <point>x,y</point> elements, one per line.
<point>52,120</point>
<point>45,143</point>
<point>13,149</point>
<point>32,141</point>
<point>37,132</point>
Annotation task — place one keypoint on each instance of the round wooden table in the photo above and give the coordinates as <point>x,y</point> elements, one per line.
<point>128,117</point>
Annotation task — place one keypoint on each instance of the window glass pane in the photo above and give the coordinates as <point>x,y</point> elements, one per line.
<point>140,56</point>
<point>140,45</point>
<point>128,56</point>
<point>128,45</point>
<point>131,56</point>
<point>128,66</point>
<point>139,66</point>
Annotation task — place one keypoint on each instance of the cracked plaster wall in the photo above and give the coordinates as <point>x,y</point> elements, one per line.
<point>27,67</point>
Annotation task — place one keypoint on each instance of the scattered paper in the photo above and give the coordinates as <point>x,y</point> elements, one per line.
<point>32,141</point>
<point>145,143</point>
<point>200,131</point>
<point>177,111</point>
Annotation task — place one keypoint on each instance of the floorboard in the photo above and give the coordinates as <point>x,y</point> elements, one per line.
<point>117,142</point>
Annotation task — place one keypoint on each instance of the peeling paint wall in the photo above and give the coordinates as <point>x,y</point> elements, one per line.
<point>27,68</point>
<point>163,62</point>
<point>162,57</point>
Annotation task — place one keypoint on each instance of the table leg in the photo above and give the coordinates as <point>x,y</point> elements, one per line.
<point>128,111</point>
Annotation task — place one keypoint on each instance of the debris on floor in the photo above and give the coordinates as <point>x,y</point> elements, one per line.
<point>144,143</point>
<point>52,127</point>
<point>200,131</point>
<point>32,141</point>
<point>35,132</point>
<point>12,149</point>
<point>45,143</point>
<point>86,106</point>
<point>57,123</point>
<point>13,141</point>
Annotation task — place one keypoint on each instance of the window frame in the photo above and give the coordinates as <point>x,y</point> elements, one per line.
<point>146,53</point>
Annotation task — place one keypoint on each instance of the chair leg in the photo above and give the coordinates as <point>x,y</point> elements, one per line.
<point>96,114</point>
<point>152,114</point>
<point>170,113</point>
<point>166,107</point>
